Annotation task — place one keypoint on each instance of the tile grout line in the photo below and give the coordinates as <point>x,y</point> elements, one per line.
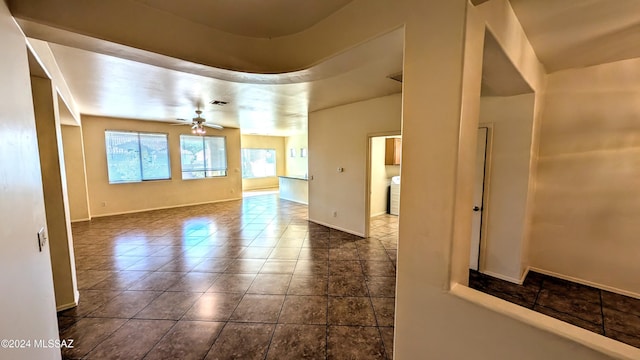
<point>604,332</point>
<point>294,220</point>
<point>538,294</point>
<point>103,340</point>
<point>275,326</point>
<point>373,309</point>
<point>326,328</point>
<point>158,341</point>
<point>215,340</point>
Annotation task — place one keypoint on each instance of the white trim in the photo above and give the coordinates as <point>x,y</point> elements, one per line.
<point>259,188</point>
<point>486,192</point>
<point>295,201</point>
<point>80,220</point>
<point>524,275</point>
<point>504,277</point>
<point>586,282</point>
<point>378,214</point>
<point>367,187</point>
<point>165,207</point>
<point>337,228</point>
<point>605,345</point>
<point>66,306</point>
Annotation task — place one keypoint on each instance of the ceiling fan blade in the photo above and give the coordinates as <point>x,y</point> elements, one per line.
<point>180,121</point>
<point>214,126</point>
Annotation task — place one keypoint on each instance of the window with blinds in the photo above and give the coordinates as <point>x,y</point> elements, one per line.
<point>135,156</point>
<point>203,156</point>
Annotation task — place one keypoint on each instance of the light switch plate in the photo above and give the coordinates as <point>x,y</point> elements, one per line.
<point>42,239</point>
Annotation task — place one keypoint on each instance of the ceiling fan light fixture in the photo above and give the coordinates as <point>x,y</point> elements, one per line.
<point>198,129</point>
<point>199,123</point>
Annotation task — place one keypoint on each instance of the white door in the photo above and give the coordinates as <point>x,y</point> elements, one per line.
<point>478,193</point>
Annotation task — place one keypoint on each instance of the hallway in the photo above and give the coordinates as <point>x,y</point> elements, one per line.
<point>250,279</point>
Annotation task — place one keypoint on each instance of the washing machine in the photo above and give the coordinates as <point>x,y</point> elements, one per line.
<point>394,196</point>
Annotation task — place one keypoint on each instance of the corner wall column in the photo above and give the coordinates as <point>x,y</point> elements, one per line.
<point>54,187</point>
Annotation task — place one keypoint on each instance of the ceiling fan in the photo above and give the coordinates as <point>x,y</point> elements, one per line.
<point>199,123</point>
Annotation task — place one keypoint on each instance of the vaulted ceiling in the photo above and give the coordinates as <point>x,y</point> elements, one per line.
<point>253,18</point>
<point>271,104</point>
<point>274,61</point>
<point>577,33</point>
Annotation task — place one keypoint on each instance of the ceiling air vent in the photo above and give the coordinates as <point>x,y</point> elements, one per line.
<point>218,102</point>
<point>397,77</point>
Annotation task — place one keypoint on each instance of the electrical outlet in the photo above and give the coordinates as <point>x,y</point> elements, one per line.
<point>335,213</point>
<point>103,204</point>
<point>42,239</point>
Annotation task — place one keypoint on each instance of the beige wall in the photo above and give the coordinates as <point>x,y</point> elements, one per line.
<point>265,142</point>
<point>27,304</point>
<point>587,213</point>
<point>437,158</point>
<point>75,173</point>
<point>338,138</point>
<point>392,170</point>
<point>508,176</point>
<point>296,166</point>
<point>439,130</point>
<point>122,198</point>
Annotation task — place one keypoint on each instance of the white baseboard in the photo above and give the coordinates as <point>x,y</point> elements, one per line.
<point>164,207</point>
<point>337,228</point>
<point>80,220</point>
<point>506,278</point>
<point>586,282</point>
<point>66,306</point>
<point>524,275</point>
<point>295,201</point>
<point>266,187</point>
<point>379,213</point>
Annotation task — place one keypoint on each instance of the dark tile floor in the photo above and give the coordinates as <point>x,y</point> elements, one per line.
<point>606,313</point>
<point>250,279</point>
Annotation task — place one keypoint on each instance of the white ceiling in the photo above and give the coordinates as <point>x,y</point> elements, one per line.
<point>110,86</point>
<point>122,81</point>
<point>254,18</point>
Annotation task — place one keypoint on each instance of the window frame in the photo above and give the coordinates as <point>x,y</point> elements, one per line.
<point>205,171</point>
<point>138,133</point>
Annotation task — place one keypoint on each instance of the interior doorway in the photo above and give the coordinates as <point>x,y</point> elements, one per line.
<point>383,177</point>
<point>479,202</point>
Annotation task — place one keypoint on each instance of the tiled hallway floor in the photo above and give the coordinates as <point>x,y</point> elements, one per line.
<point>606,313</point>
<point>250,279</point>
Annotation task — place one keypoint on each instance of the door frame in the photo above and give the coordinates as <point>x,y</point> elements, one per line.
<point>486,189</point>
<point>367,203</point>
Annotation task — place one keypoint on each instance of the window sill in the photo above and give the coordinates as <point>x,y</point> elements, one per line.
<point>138,182</point>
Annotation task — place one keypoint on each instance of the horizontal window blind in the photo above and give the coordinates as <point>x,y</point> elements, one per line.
<point>203,156</point>
<point>134,157</point>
